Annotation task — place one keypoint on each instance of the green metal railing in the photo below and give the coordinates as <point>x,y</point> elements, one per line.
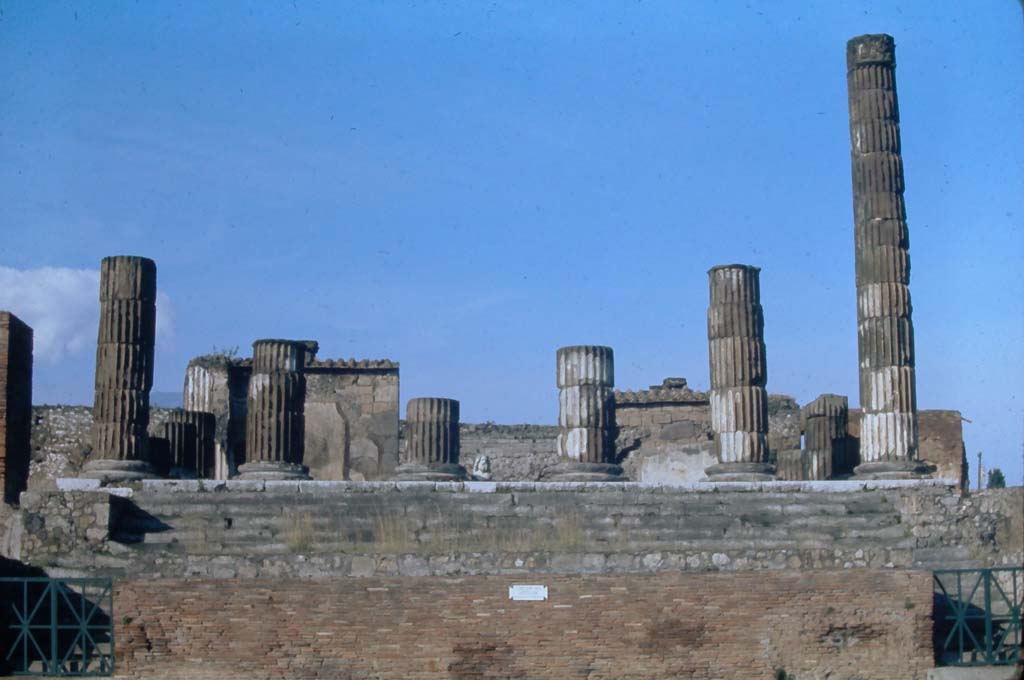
<point>56,626</point>
<point>978,616</point>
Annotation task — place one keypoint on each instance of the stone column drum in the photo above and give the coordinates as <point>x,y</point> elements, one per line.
<point>274,425</point>
<point>586,416</point>
<point>204,427</point>
<point>432,452</point>
<point>888,393</point>
<point>739,401</point>
<point>124,370</point>
<point>181,444</point>
<point>824,425</point>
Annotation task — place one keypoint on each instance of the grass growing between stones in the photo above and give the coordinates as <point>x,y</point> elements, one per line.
<point>299,535</point>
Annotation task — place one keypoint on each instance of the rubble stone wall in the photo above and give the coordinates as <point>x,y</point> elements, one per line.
<point>207,529</point>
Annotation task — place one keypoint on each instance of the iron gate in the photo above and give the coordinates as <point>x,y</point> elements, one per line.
<point>978,616</point>
<point>56,626</point>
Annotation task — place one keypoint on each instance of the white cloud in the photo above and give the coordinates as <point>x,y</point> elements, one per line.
<point>62,307</point>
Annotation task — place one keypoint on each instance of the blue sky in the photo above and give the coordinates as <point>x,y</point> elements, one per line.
<point>465,187</point>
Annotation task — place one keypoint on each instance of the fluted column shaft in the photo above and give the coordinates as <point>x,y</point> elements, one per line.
<point>888,392</point>
<point>738,368</point>
<point>432,435</point>
<point>585,376</point>
<point>194,453</point>
<point>124,369</point>
<point>275,421</point>
<point>824,425</point>
<point>433,430</point>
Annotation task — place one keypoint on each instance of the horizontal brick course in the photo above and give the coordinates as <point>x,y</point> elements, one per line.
<point>861,623</point>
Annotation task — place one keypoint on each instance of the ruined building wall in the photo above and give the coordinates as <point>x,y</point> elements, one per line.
<point>351,413</point>
<point>665,432</point>
<point>15,405</point>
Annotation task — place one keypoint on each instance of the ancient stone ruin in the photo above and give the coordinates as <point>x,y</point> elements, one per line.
<point>586,415</point>
<point>739,401</point>
<point>282,524</point>
<point>433,450</point>
<point>274,426</point>
<point>15,405</point>
<point>124,369</point>
<point>885,332</point>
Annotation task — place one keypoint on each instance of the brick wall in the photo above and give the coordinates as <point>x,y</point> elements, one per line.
<point>851,624</point>
<point>15,405</point>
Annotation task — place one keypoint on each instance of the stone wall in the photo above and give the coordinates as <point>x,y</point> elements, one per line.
<point>209,529</point>
<point>665,431</point>
<point>15,405</point>
<point>516,452</point>
<point>848,624</point>
<point>351,419</point>
<point>60,441</point>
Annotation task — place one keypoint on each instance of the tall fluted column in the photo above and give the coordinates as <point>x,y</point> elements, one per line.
<point>888,392</point>
<point>586,415</point>
<point>432,449</point>
<point>824,424</point>
<point>739,402</point>
<point>124,370</point>
<point>274,426</point>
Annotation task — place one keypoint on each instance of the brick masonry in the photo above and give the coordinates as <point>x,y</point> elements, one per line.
<point>15,405</point>
<point>861,624</point>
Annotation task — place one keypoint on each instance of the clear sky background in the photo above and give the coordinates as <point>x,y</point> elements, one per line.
<point>465,187</point>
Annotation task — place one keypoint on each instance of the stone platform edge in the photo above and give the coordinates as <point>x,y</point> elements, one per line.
<point>160,486</point>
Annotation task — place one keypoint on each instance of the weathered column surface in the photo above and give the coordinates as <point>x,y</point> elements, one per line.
<point>203,427</point>
<point>586,415</point>
<point>888,393</point>
<point>274,426</point>
<point>739,401</point>
<point>124,370</point>
<point>824,425</point>
<point>181,444</point>
<point>15,405</point>
<point>432,449</point>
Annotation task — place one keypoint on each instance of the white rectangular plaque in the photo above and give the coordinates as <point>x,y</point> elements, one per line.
<point>528,593</point>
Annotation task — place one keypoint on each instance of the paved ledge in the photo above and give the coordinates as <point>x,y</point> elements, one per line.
<point>343,487</point>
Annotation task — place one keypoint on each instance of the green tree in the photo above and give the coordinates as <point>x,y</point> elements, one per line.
<point>996,480</point>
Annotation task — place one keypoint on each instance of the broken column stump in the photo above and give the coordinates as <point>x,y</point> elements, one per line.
<point>432,452</point>
<point>586,416</point>
<point>275,424</point>
<point>739,401</point>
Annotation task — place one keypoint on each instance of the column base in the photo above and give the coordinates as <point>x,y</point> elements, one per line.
<point>571,471</point>
<point>272,470</point>
<point>893,469</point>
<point>117,471</point>
<point>740,472</point>
<point>435,472</point>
